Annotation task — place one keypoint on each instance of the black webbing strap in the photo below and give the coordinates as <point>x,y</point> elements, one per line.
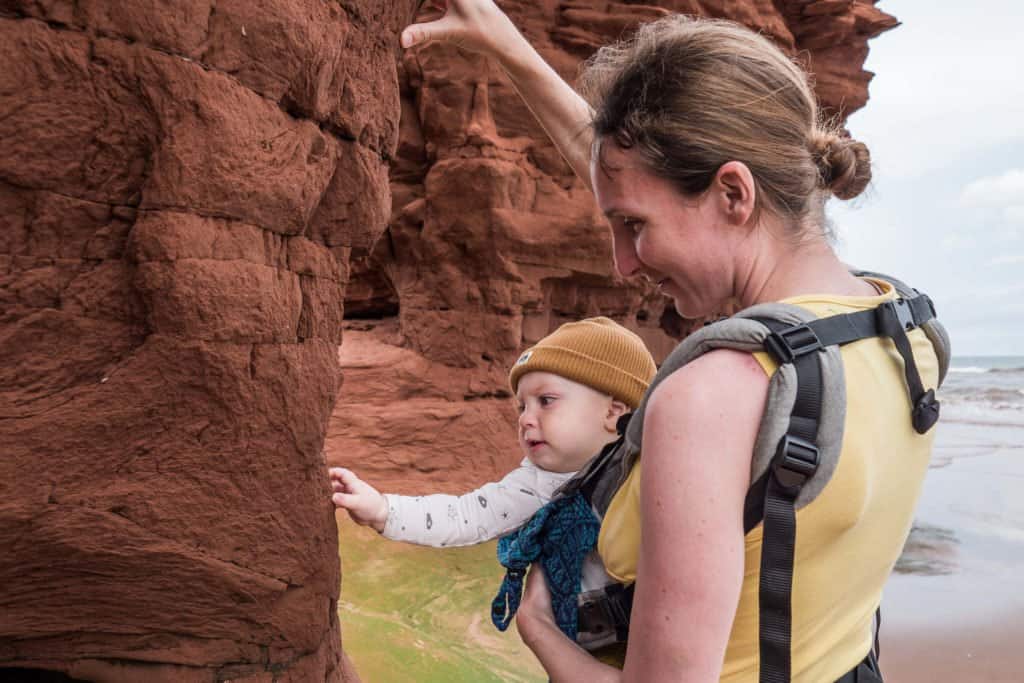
<point>795,461</point>
<point>597,468</point>
<point>620,608</point>
<point>773,497</point>
<point>891,319</point>
<point>790,342</point>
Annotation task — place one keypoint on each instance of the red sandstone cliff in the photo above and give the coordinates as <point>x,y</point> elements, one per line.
<point>182,189</point>
<point>493,242</point>
<point>181,185</point>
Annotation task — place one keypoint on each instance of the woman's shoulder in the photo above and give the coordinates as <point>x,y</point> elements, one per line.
<point>720,383</point>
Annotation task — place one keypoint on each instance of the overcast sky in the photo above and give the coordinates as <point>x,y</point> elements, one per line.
<point>945,126</point>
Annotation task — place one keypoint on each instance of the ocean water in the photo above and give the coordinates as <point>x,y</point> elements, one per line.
<point>984,390</point>
<point>954,607</point>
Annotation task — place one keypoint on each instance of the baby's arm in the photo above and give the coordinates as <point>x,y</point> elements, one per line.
<point>364,504</point>
<point>490,511</point>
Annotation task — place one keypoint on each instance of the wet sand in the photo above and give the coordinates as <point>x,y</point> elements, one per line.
<point>954,610</point>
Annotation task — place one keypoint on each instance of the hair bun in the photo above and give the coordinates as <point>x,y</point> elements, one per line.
<point>844,164</point>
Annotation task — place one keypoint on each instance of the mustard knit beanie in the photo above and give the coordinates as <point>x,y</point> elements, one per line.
<point>597,352</point>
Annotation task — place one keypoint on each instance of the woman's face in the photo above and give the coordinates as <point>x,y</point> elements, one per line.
<point>682,244</point>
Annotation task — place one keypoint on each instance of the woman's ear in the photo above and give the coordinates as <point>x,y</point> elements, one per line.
<point>616,409</point>
<point>736,192</point>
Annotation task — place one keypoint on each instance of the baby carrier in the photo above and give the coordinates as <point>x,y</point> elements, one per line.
<point>796,450</point>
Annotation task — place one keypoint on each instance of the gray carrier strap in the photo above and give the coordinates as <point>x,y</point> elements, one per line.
<point>743,332</point>
<point>747,332</point>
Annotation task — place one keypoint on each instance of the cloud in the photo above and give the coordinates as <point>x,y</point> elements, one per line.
<point>1007,260</point>
<point>1014,214</point>
<point>1006,190</point>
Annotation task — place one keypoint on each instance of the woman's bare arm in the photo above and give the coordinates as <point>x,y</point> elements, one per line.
<point>480,26</point>
<point>699,432</point>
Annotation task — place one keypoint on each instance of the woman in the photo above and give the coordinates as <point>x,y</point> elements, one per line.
<point>703,146</point>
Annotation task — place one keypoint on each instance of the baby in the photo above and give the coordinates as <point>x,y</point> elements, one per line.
<point>571,388</point>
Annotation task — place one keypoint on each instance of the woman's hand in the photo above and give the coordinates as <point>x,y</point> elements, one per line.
<point>535,615</point>
<point>480,26</point>
<point>560,656</point>
<point>474,25</point>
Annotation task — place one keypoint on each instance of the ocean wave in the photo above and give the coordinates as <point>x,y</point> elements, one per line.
<point>978,370</point>
<point>986,395</point>
<point>970,412</point>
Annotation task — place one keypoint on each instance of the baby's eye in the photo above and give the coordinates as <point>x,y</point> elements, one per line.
<point>546,400</point>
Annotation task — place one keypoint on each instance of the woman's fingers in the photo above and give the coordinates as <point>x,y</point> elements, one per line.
<point>445,28</point>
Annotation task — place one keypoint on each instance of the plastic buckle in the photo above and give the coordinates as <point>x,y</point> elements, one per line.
<point>789,344</point>
<point>931,304</point>
<point>593,618</point>
<point>903,314</point>
<point>925,413</point>
<point>796,461</point>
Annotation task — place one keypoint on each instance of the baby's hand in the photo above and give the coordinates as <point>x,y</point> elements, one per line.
<point>364,504</point>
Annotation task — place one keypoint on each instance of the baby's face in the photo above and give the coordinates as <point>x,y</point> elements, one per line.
<point>562,423</point>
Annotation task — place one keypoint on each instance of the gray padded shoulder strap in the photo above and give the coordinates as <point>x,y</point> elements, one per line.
<point>743,332</point>
<point>933,329</point>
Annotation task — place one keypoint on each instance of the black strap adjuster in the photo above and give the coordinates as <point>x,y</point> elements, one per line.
<point>926,412</point>
<point>789,344</point>
<point>796,461</point>
<point>606,611</point>
<point>904,314</point>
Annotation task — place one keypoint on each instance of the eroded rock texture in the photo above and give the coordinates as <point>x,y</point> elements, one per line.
<point>181,187</point>
<point>493,242</point>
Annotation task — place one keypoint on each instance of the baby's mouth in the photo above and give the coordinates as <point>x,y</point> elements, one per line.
<point>534,443</point>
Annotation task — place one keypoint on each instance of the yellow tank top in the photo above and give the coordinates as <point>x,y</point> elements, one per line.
<point>848,538</point>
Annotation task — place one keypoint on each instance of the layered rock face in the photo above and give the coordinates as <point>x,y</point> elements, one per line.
<point>181,187</point>
<point>186,191</point>
<point>493,242</point>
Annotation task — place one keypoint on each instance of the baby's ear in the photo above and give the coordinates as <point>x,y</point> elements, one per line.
<point>616,409</point>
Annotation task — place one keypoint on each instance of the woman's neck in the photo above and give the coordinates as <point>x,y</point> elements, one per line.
<point>780,269</point>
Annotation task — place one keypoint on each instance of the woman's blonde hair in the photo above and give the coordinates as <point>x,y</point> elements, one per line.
<point>692,94</point>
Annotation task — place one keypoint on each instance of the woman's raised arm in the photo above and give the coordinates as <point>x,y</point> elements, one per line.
<point>480,26</point>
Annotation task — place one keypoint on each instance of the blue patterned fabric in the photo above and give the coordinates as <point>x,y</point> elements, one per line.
<point>558,537</point>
